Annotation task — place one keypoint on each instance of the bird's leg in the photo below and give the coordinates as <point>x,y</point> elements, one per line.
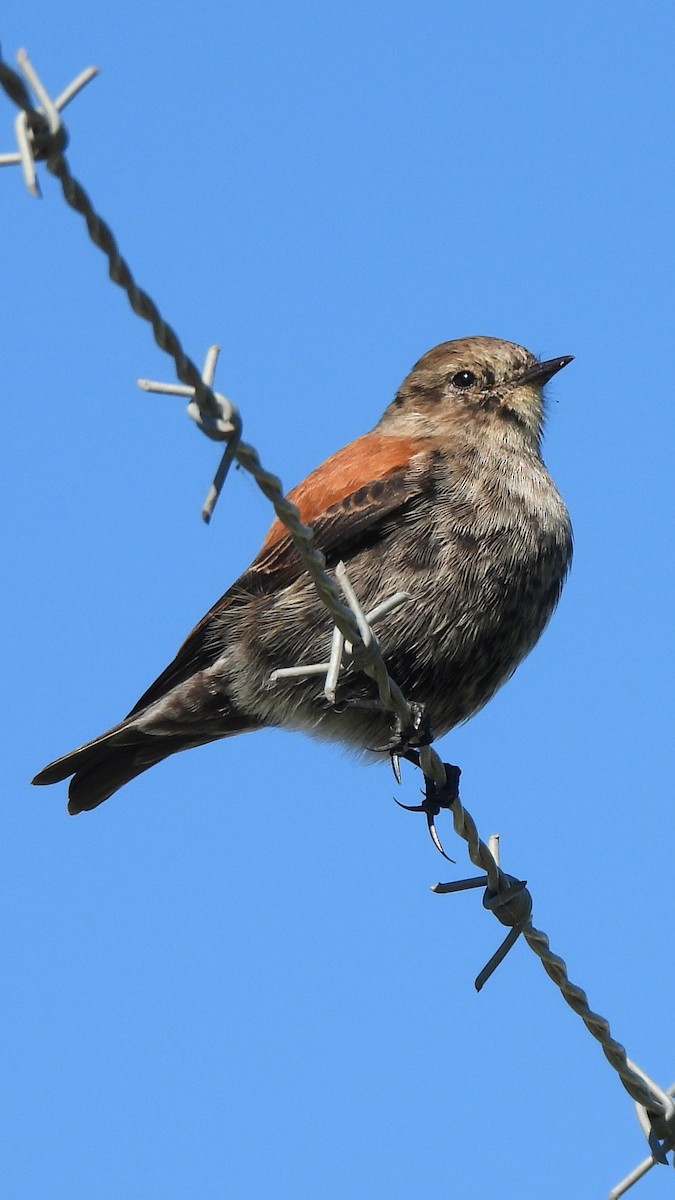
<point>365,705</point>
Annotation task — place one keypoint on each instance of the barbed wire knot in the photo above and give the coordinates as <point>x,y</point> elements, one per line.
<point>513,905</point>
<point>40,133</point>
<point>659,1130</point>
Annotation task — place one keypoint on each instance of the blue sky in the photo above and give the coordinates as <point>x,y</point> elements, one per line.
<point>232,979</point>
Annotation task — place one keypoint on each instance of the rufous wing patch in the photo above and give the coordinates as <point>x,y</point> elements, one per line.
<point>362,462</point>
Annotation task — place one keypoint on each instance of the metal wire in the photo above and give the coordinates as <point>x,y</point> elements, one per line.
<point>41,135</point>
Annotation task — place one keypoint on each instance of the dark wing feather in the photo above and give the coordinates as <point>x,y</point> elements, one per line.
<point>344,527</point>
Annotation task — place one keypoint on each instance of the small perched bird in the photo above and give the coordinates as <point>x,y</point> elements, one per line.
<point>447,499</point>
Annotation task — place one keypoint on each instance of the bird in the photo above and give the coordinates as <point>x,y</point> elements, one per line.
<point>446,499</point>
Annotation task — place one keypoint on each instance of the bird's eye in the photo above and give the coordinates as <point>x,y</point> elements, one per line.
<point>464,379</point>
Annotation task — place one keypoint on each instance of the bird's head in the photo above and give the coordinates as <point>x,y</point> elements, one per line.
<point>473,382</point>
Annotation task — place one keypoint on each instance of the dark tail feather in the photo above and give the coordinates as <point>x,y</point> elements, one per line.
<point>79,759</point>
<point>108,762</point>
<point>93,784</point>
<point>116,765</point>
<point>102,766</point>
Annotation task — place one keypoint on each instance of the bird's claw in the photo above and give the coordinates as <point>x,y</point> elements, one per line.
<point>435,798</point>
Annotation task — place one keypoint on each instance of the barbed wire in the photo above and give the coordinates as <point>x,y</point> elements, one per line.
<point>41,136</point>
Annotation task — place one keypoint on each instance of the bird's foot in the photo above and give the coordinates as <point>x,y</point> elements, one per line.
<point>405,740</point>
<point>435,796</point>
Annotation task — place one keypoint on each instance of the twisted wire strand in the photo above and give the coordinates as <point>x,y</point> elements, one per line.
<point>15,87</point>
<point>643,1090</point>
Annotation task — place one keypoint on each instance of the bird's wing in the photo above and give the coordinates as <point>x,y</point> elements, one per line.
<point>347,508</point>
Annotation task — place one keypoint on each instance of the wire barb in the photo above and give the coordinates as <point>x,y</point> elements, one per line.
<point>510,902</point>
<point>342,650</point>
<point>223,425</point>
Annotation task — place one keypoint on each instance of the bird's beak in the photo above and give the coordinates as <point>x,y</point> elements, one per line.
<point>541,372</point>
